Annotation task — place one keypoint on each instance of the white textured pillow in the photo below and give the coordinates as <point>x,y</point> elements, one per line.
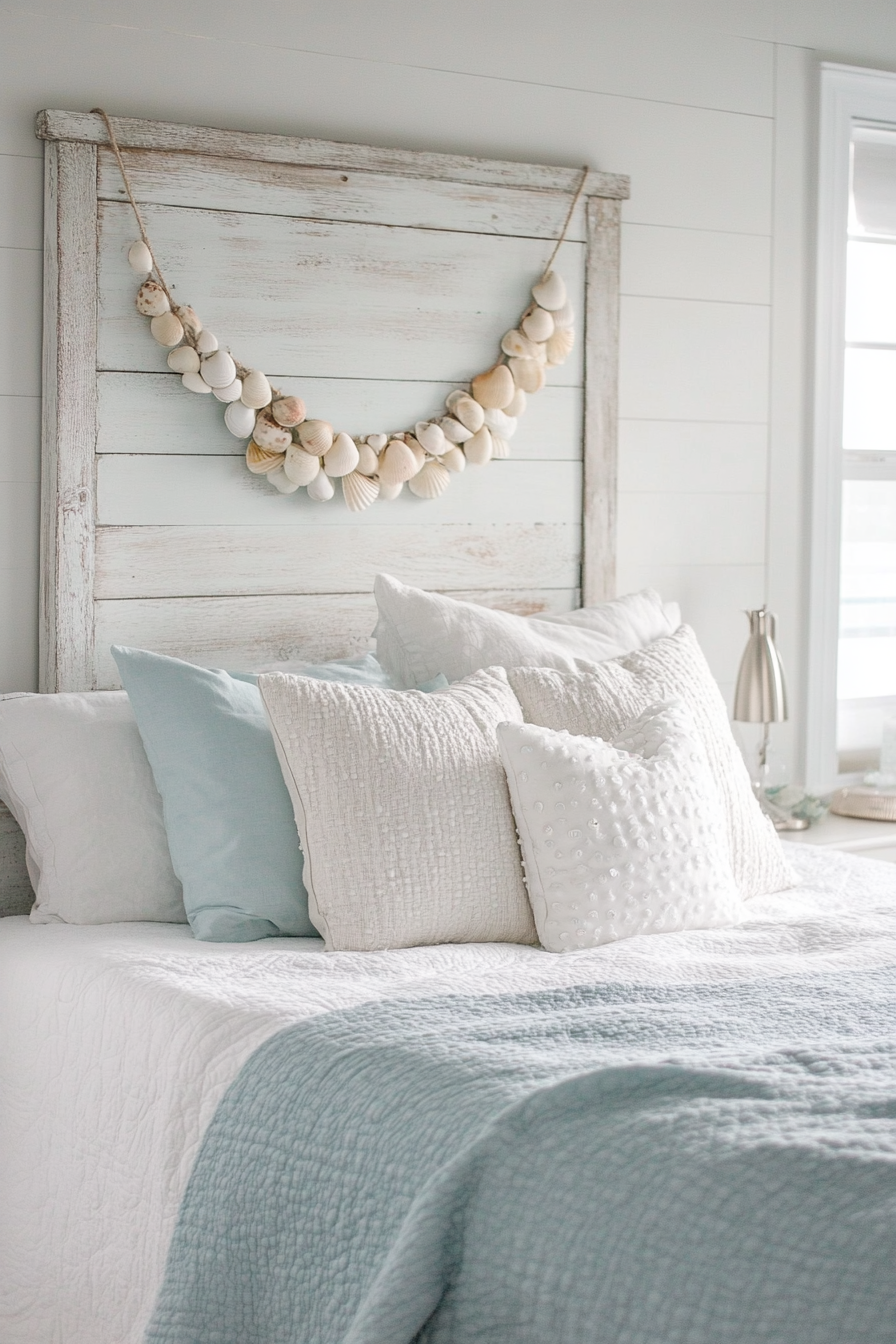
<point>599,703</point>
<point>420,634</point>
<point>402,809</point>
<point>619,839</point>
<point>74,774</point>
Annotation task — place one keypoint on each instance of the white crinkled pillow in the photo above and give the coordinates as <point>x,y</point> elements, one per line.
<point>420,634</point>
<point>623,838</point>
<point>600,702</point>
<point>402,809</point>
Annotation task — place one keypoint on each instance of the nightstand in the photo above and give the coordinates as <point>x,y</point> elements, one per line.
<point>874,839</point>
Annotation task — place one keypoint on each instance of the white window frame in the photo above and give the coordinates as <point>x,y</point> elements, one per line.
<point>849,95</point>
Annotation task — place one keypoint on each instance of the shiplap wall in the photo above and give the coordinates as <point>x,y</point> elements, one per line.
<point>707,104</point>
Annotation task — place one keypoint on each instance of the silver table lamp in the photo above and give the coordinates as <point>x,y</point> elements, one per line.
<point>761,697</point>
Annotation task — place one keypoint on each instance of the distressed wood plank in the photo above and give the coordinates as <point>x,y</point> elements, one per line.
<point>218,561</point>
<point>138,133</point>
<point>16,894</point>
<point>245,633</point>
<point>69,419</point>
<point>153,413</point>
<point>601,396</point>
<point>151,490</point>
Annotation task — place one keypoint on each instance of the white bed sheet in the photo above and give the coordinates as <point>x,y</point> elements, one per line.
<point>118,1041</point>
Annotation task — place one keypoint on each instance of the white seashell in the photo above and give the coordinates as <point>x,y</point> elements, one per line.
<point>430,437</point>
<point>470,414</point>
<point>342,456</point>
<point>358,491</point>
<point>454,459</point>
<point>479,450</point>
<point>232,392</point>
<point>541,352</point>
<point>565,316</point>
<point>206,343</point>
<point>454,431</point>
<point>316,436</point>
<point>300,466</point>
<point>152,300</point>
<point>538,325</point>
<point>499,422</point>
<point>140,257</point>
<point>193,382</point>
<point>517,345</point>
<point>190,320</point>
<point>377,441</point>
<point>431,481</point>
<point>281,481</point>
<point>239,419</point>
<point>167,329</point>
<point>500,447</point>
<point>256,390</point>
<point>261,460</point>
<point>184,360</point>
<point>494,388</point>
<point>517,407</point>
<point>550,293</point>
<point>321,488</point>
<point>417,450</point>
<point>560,344</point>
<point>219,370</point>
<point>397,464</point>
<point>528,374</point>
<point>288,411</point>
<point>268,434</point>
<point>454,397</point>
<point>367,460</point>
<point>391,491</point>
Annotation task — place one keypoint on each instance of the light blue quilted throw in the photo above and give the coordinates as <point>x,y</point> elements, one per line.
<point>684,1165</point>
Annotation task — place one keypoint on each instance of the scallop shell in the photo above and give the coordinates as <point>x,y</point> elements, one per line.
<point>184,360</point>
<point>565,316</point>
<point>500,447</point>
<point>397,464</point>
<point>359,491</point>
<point>550,293</point>
<point>430,436</point>
<point>479,450</point>
<point>300,466</point>
<point>321,488</point>
<point>454,459</point>
<point>431,481</point>
<point>517,407</point>
<point>140,257</point>
<point>256,390</point>
<point>239,419</point>
<point>268,434</point>
<point>190,319</point>
<point>167,329</point>
<point>517,345</point>
<point>315,435</point>
<point>528,374</point>
<point>367,460</point>
<point>206,342</point>
<point>454,431</point>
<point>470,414</point>
<point>219,370</point>
<point>232,392</point>
<point>261,460</point>
<point>152,300</point>
<point>194,382</point>
<point>499,422</point>
<point>560,344</point>
<point>377,441</point>
<point>342,457</point>
<point>281,481</point>
<point>538,325</point>
<point>494,388</point>
<point>391,491</point>
<point>288,411</point>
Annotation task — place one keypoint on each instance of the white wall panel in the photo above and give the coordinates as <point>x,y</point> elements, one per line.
<point>702,529</point>
<point>695,264</point>
<point>20,329</point>
<point>20,439</point>
<point>21,198</point>
<point>686,456</point>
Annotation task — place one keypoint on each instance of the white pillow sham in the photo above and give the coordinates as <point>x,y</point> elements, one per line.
<point>619,839</point>
<point>420,634</point>
<point>74,774</point>
<point>599,702</point>
<point>402,808</point>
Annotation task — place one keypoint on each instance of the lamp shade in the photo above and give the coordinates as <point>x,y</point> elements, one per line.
<point>760,695</point>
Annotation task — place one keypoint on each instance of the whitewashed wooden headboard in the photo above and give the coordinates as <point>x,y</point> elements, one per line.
<point>368,281</point>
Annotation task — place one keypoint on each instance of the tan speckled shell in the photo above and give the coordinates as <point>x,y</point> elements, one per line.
<point>268,434</point>
<point>315,435</point>
<point>152,300</point>
<point>288,411</point>
<point>359,491</point>
<point>494,388</point>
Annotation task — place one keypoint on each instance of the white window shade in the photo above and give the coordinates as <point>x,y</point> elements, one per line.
<point>874,180</point>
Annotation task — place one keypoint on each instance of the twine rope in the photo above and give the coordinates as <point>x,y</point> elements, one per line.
<point>569,215</point>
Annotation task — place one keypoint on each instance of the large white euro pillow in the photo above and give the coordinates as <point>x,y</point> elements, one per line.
<point>420,634</point>
<point>74,775</point>
<point>601,701</point>
<point>402,809</point>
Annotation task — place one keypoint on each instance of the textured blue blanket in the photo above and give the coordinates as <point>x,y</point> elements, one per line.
<point>687,1165</point>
